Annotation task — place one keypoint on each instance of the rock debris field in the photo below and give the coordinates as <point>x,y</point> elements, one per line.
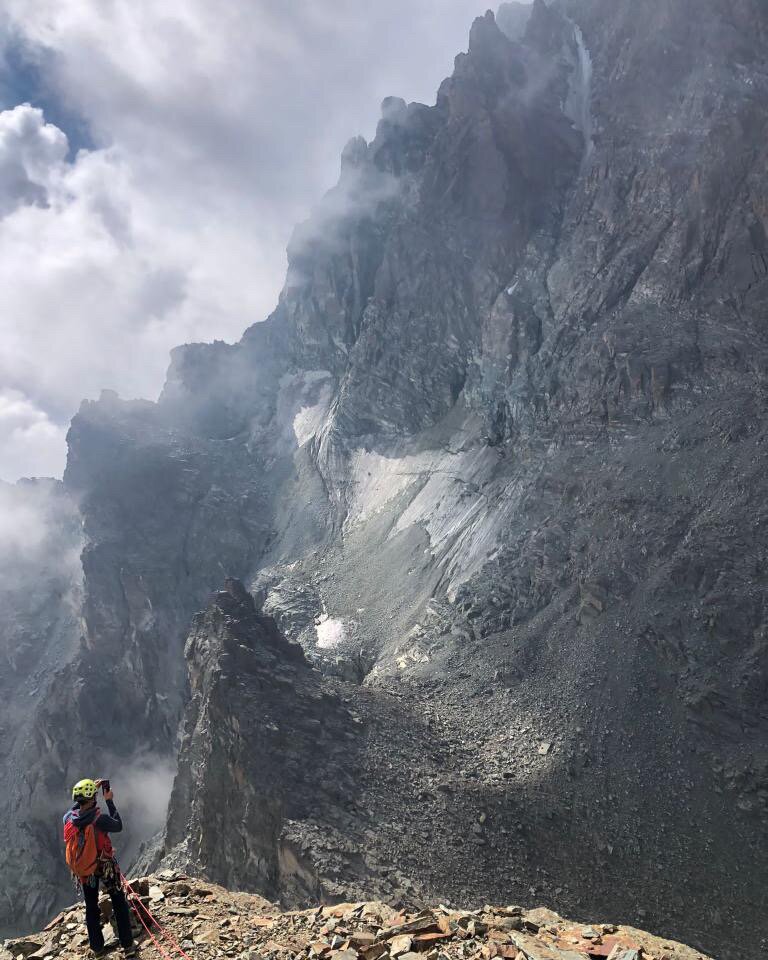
<point>202,920</point>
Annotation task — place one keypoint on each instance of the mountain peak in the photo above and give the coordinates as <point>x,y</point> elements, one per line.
<point>485,37</point>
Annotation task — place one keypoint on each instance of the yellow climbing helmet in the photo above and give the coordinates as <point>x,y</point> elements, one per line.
<point>84,790</point>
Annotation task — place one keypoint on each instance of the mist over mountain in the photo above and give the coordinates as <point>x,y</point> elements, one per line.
<point>476,518</point>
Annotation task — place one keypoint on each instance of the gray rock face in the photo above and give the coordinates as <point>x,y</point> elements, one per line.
<point>254,725</point>
<point>40,601</point>
<point>500,454</point>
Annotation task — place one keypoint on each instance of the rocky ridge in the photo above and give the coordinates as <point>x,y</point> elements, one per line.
<point>206,920</point>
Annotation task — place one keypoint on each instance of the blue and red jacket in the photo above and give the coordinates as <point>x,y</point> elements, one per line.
<point>103,824</point>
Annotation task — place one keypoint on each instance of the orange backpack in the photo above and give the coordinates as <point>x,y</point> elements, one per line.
<point>81,850</point>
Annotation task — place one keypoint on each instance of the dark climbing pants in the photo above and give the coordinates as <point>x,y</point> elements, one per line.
<point>93,916</point>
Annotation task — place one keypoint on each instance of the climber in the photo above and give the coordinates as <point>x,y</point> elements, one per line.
<point>91,859</point>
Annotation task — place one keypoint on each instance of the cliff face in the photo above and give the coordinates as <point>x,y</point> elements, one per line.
<point>498,456</point>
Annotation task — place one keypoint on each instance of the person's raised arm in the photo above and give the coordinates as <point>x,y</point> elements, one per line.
<point>111,822</point>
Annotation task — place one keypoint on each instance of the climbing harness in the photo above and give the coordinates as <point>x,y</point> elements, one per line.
<point>109,873</point>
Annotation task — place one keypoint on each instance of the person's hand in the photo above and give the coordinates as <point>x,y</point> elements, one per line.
<point>108,795</point>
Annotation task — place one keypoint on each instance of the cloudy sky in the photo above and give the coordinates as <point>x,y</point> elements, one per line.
<point>154,157</point>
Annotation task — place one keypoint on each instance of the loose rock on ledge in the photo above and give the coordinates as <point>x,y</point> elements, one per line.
<point>208,921</point>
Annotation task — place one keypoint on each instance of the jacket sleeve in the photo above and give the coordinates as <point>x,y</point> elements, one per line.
<point>109,822</point>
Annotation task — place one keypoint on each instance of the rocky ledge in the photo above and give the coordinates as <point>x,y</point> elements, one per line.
<point>205,920</point>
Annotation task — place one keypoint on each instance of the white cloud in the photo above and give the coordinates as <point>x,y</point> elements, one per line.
<point>30,152</point>
<point>98,289</point>
<point>29,441</point>
<point>23,526</point>
<point>40,549</point>
<point>217,127</point>
<point>38,526</point>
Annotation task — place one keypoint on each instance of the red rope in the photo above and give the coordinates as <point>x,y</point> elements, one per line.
<point>154,939</point>
<point>137,900</point>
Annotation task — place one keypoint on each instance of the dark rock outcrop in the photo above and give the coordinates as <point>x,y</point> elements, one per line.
<point>500,454</point>
<point>257,732</point>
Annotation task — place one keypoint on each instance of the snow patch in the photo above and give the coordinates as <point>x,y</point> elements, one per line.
<point>451,495</point>
<point>377,480</point>
<point>309,420</point>
<point>330,633</point>
<point>462,511</point>
<point>303,402</point>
